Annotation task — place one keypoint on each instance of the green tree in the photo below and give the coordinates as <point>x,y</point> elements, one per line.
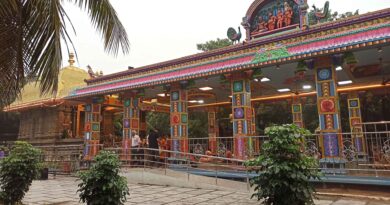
<point>102,184</point>
<point>198,125</point>
<point>160,121</point>
<point>214,44</point>
<point>17,172</point>
<point>283,168</point>
<point>31,32</point>
<point>268,114</point>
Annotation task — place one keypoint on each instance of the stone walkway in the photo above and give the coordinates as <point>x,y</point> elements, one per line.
<point>62,191</point>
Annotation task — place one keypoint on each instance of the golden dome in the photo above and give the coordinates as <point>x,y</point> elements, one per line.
<point>69,77</point>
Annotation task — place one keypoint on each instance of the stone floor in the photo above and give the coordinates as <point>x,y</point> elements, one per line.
<point>62,191</point>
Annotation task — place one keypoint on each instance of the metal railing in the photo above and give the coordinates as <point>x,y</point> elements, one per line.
<point>371,161</point>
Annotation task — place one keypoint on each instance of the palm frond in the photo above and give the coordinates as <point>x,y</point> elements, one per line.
<point>30,40</point>
<point>106,21</point>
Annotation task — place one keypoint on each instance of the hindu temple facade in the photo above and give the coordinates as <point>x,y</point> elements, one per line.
<point>283,57</point>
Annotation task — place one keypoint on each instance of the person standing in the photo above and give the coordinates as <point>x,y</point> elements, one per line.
<point>153,145</point>
<point>135,145</point>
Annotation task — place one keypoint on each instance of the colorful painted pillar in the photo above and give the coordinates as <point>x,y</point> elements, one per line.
<point>179,118</point>
<point>355,120</point>
<point>92,130</point>
<point>242,115</point>
<point>329,114</point>
<point>212,130</point>
<point>131,121</point>
<point>297,112</point>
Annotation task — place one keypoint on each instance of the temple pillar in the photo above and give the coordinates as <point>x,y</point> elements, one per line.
<point>296,109</point>
<point>131,121</point>
<point>242,115</point>
<point>355,120</point>
<point>212,130</point>
<point>179,118</point>
<point>329,114</point>
<point>92,130</point>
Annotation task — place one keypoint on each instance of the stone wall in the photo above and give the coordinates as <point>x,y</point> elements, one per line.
<point>46,125</point>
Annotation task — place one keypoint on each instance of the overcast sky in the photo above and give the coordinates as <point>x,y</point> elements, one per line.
<point>161,30</point>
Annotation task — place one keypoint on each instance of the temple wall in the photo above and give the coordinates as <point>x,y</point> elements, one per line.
<point>45,126</point>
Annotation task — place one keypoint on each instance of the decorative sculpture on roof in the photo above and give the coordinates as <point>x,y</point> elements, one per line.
<point>288,14</point>
<point>271,21</point>
<point>233,35</point>
<point>280,19</point>
<point>90,72</point>
<point>321,13</point>
<point>93,74</point>
<point>272,15</point>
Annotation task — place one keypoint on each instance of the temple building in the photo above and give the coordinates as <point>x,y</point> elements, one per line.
<point>340,66</point>
<point>49,119</point>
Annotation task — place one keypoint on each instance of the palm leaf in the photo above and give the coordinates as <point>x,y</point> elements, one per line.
<point>31,32</point>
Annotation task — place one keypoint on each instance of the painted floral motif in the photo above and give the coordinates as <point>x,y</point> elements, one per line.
<point>355,121</point>
<point>175,119</point>
<point>237,86</point>
<point>126,123</point>
<point>327,105</point>
<point>353,103</point>
<point>175,95</point>
<point>324,74</point>
<point>272,53</point>
<point>87,127</point>
<point>296,108</point>
<point>331,145</point>
<point>238,113</point>
<point>184,118</point>
<point>96,127</point>
<point>134,124</point>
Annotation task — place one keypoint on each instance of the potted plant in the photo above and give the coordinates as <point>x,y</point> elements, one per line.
<point>102,184</point>
<point>283,168</point>
<point>17,171</point>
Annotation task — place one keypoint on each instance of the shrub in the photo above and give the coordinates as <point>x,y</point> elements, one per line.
<point>283,169</point>
<point>102,183</point>
<point>17,171</point>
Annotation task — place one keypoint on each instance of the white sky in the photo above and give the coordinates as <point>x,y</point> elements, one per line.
<point>161,30</point>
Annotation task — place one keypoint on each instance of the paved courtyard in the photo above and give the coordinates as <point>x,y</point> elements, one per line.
<point>62,191</point>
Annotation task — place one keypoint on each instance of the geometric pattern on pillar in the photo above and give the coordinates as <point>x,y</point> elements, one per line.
<point>131,121</point>
<point>328,110</point>
<point>297,114</point>
<point>355,119</point>
<point>92,130</point>
<point>179,118</point>
<point>242,116</point>
<point>213,131</point>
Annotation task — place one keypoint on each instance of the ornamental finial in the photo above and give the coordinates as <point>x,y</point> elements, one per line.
<point>71,59</point>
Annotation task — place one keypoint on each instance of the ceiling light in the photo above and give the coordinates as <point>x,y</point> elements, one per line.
<point>201,101</point>
<point>161,94</point>
<point>230,96</point>
<point>256,80</point>
<point>345,82</point>
<point>206,88</point>
<point>338,68</point>
<point>264,79</point>
<point>193,101</point>
<point>284,90</point>
<point>306,87</point>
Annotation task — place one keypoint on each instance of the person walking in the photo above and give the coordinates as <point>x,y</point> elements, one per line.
<point>153,145</point>
<point>135,145</point>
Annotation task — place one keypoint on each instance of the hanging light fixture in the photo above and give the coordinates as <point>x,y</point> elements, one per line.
<point>301,69</point>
